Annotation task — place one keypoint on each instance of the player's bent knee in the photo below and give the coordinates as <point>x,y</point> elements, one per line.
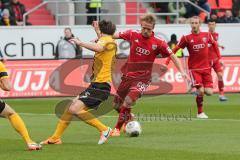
<point>220,76</point>
<point>7,110</point>
<point>76,106</point>
<point>117,102</point>
<point>200,92</point>
<point>73,110</point>
<point>128,102</point>
<point>208,91</point>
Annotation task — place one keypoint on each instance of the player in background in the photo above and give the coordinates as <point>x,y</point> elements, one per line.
<point>144,47</point>
<point>198,63</point>
<point>215,61</point>
<point>99,89</point>
<point>7,112</point>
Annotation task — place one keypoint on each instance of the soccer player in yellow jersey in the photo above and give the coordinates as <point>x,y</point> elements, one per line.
<point>7,112</point>
<point>99,89</point>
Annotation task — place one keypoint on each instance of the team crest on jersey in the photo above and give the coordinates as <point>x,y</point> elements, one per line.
<point>204,39</point>
<point>154,46</point>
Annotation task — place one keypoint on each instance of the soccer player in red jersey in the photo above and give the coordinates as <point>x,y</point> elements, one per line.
<point>198,63</point>
<point>215,62</point>
<point>144,47</point>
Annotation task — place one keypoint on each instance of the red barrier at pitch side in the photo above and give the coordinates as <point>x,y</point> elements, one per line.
<point>31,78</point>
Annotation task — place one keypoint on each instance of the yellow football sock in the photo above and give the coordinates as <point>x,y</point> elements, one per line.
<point>62,125</point>
<point>20,127</point>
<point>89,118</point>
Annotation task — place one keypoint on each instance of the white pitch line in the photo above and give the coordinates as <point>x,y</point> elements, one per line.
<point>158,120</point>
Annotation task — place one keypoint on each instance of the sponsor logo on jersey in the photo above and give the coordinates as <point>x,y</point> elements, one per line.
<point>141,51</point>
<point>198,46</point>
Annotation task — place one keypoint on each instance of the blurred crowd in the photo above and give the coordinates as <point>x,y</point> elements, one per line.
<point>11,13</point>
<point>186,10</point>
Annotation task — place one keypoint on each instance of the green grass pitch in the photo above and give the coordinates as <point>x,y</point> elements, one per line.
<point>170,132</point>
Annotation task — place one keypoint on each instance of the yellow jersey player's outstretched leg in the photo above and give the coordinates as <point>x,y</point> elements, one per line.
<point>7,112</point>
<point>99,88</point>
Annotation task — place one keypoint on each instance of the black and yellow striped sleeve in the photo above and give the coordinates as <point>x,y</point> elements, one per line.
<point>3,71</point>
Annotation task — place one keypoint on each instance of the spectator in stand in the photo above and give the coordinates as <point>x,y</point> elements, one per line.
<point>172,7</point>
<point>172,44</point>
<point>213,16</point>
<point>1,9</point>
<point>193,11</point>
<point>204,4</point>
<point>190,10</point>
<point>236,8</point>
<point>93,6</point>
<point>5,2</point>
<point>17,10</point>
<point>228,18</point>
<point>65,49</point>
<point>161,7</point>
<point>6,19</point>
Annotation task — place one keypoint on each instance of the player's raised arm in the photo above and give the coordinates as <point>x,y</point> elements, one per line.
<point>88,45</point>
<point>105,30</point>
<point>126,35</point>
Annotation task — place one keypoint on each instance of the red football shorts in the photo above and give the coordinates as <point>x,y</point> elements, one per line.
<point>201,78</point>
<point>132,87</point>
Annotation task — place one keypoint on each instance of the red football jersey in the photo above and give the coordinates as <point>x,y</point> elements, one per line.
<point>143,52</point>
<point>212,52</point>
<point>197,45</point>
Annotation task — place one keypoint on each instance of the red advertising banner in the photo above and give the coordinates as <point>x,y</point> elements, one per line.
<point>31,78</point>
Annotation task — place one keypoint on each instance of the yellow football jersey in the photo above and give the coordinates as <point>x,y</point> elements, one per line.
<point>3,71</point>
<point>103,61</point>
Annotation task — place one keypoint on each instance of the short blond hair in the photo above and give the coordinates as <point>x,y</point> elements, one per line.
<point>196,17</point>
<point>149,18</point>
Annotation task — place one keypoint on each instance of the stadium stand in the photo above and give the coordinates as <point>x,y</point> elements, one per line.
<point>46,15</point>
<point>41,16</point>
<point>226,4</point>
<point>131,7</point>
<point>213,4</point>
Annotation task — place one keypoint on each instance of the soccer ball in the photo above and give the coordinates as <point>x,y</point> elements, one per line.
<point>133,129</point>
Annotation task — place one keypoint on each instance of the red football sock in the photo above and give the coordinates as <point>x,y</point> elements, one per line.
<point>124,116</point>
<point>199,100</point>
<point>220,87</point>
